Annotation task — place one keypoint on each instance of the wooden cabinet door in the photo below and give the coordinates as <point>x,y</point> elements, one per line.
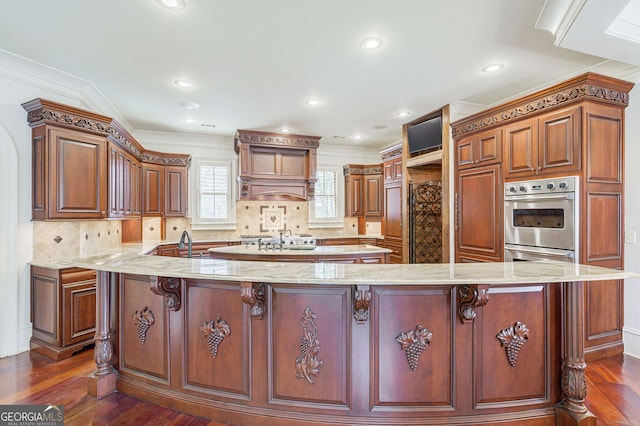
<point>478,212</point>
<point>465,153</point>
<point>520,149</point>
<point>354,190</point>
<point>392,221</point>
<point>77,175</point>
<point>559,141</point>
<point>117,159</point>
<point>79,306</point>
<point>175,194</point>
<point>479,150</point>
<point>373,195</point>
<point>153,185</point>
<point>135,188</point>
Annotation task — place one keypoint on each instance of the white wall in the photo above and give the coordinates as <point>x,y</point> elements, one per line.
<point>632,219</point>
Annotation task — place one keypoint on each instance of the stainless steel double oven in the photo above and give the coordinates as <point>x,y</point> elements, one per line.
<point>541,220</point>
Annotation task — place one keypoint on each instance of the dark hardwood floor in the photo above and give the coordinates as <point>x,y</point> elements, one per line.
<point>30,378</point>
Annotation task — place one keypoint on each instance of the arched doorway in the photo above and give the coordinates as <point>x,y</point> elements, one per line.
<point>8,225</point>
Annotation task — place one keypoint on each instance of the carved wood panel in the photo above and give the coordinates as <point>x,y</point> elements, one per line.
<point>216,322</point>
<point>329,321</point>
<point>503,375</point>
<point>394,382</point>
<point>149,360</point>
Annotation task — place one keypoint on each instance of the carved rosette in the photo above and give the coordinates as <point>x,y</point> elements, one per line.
<point>253,295</point>
<point>413,343</point>
<point>512,339</point>
<point>215,332</point>
<point>308,364</point>
<point>361,302</point>
<point>143,320</point>
<point>574,386</point>
<point>469,298</point>
<point>170,289</point>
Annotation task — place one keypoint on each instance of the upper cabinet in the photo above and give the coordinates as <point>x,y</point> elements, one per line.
<point>363,190</point>
<point>87,166</point>
<point>479,150</point>
<point>543,145</point>
<point>276,166</point>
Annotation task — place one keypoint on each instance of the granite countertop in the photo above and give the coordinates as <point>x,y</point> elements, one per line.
<point>317,250</point>
<point>129,259</point>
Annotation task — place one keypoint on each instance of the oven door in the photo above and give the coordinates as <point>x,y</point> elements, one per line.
<point>524,253</point>
<point>545,220</point>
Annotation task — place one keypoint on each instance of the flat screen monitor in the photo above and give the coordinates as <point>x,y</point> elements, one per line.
<point>426,136</point>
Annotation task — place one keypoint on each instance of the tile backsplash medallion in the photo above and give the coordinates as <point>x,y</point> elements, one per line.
<point>62,240</point>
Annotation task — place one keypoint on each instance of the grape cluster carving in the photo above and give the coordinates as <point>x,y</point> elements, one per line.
<point>215,332</point>
<point>307,363</point>
<point>413,343</point>
<point>143,320</point>
<point>512,339</point>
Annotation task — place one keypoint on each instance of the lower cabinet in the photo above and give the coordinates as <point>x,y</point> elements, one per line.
<point>63,310</point>
<point>273,352</point>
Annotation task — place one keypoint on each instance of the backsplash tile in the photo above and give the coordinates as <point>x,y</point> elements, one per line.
<point>62,240</point>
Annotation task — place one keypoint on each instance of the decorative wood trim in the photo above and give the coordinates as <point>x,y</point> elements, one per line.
<point>274,139</point>
<point>391,152</point>
<point>166,159</point>
<point>512,339</point>
<point>170,289</point>
<point>355,169</point>
<point>215,332</point>
<point>589,86</point>
<point>308,364</point>
<point>143,320</point>
<point>469,298</point>
<point>42,111</point>
<point>413,343</point>
<point>121,137</point>
<point>361,303</point>
<point>253,295</point>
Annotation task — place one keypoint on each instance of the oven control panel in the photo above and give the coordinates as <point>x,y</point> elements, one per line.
<point>540,186</point>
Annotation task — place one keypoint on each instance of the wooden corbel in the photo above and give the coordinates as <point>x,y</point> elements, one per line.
<point>469,298</point>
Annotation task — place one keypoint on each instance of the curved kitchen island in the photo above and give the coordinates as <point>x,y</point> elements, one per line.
<point>361,253</point>
<point>278,343</point>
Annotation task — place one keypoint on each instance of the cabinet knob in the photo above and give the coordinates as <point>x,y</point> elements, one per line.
<point>103,212</point>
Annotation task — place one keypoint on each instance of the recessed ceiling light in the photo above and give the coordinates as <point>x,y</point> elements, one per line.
<point>183,83</point>
<point>313,101</point>
<point>492,68</point>
<point>189,120</point>
<point>371,43</point>
<point>357,137</point>
<point>285,130</point>
<point>172,4</point>
<point>403,113</point>
<point>189,105</point>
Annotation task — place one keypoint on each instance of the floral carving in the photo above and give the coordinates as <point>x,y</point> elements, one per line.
<point>170,289</point>
<point>143,320</point>
<point>308,364</point>
<point>215,332</point>
<point>574,384</point>
<point>512,339</point>
<point>413,343</point>
<point>361,302</point>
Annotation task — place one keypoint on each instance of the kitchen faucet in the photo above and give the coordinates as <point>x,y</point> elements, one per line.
<point>185,233</point>
<point>283,232</point>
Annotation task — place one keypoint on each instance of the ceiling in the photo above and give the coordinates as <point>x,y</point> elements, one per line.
<point>254,63</point>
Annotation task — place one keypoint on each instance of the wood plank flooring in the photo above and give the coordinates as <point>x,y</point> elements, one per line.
<point>30,378</point>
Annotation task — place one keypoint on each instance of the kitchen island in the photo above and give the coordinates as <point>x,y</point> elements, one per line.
<point>360,253</point>
<point>326,343</point>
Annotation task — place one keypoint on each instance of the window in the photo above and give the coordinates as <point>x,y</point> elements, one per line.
<point>213,200</point>
<point>327,209</point>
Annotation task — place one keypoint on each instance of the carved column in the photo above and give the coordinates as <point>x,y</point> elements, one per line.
<point>571,409</point>
<point>102,381</point>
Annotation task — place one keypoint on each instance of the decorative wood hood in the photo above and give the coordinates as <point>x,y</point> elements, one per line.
<point>275,166</point>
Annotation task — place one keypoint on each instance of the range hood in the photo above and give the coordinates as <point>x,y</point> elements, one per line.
<point>275,166</point>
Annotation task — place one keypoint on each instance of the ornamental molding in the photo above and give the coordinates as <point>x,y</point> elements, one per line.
<point>351,169</point>
<point>47,115</point>
<point>361,303</point>
<point>277,140</point>
<point>589,86</point>
<point>390,153</point>
<point>413,343</point>
<point>165,159</point>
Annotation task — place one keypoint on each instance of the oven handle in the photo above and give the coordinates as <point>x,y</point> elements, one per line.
<point>570,254</point>
<point>566,196</point>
